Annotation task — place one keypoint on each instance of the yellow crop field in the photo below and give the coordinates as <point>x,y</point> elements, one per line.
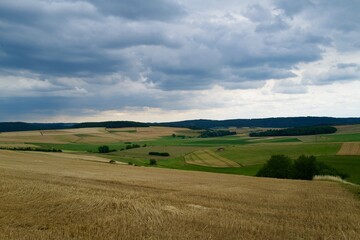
<point>209,158</point>
<point>48,197</point>
<point>45,156</point>
<point>350,148</point>
<point>90,135</point>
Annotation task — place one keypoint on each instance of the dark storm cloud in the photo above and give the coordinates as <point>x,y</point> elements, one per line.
<point>19,107</point>
<point>55,38</point>
<point>115,54</point>
<point>94,38</point>
<point>141,9</point>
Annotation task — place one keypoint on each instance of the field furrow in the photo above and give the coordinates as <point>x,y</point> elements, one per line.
<point>209,159</point>
<point>49,197</point>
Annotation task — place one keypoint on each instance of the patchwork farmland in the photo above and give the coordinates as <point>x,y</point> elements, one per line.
<point>76,193</point>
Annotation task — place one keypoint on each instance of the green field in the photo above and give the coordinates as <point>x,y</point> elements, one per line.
<point>351,137</point>
<point>248,154</point>
<point>347,164</point>
<point>81,147</point>
<point>259,153</point>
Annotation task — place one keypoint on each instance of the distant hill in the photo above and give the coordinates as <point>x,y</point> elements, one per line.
<point>283,122</point>
<point>22,126</point>
<point>111,124</point>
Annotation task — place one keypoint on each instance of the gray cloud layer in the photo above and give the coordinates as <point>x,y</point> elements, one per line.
<point>129,53</point>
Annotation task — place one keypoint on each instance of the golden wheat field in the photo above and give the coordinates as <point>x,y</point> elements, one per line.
<point>350,148</point>
<point>47,196</point>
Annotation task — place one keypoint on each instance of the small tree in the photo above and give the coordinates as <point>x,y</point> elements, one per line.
<point>305,167</point>
<point>104,149</point>
<point>278,166</point>
<point>153,162</point>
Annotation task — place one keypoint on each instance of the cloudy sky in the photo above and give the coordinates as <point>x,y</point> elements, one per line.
<point>165,60</point>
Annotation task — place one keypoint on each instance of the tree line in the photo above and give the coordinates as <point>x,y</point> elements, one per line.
<point>216,133</point>
<point>295,131</point>
<point>305,168</point>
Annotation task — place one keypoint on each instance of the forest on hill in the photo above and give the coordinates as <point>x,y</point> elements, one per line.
<point>283,122</point>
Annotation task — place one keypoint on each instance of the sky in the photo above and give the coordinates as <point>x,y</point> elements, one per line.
<point>169,60</point>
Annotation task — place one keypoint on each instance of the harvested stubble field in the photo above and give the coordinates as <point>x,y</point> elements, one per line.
<point>350,149</point>
<point>72,199</point>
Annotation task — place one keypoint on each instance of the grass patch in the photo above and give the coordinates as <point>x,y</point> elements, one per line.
<point>218,141</point>
<point>260,153</point>
<point>347,164</point>
<point>180,163</point>
<point>80,147</point>
<point>353,137</point>
<point>279,140</point>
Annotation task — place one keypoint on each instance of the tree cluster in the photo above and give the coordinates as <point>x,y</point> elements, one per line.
<point>295,131</point>
<point>131,146</point>
<point>178,136</point>
<point>216,133</point>
<point>152,162</point>
<point>104,149</point>
<point>110,124</point>
<point>305,167</point>
<point>163,154</point>
<point>31,149</point>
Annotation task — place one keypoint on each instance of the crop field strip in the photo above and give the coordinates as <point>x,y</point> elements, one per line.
<point>43,156</point>
<point>209,159</point>
<point>88,200</point>
<point>352,148</point>
<point>88,135</point>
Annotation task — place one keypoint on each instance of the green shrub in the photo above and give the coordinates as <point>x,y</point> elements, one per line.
<point>132,146</point>
<point>152,162</point>
<point>278,166</point>
<point>305,167</point>
<point>104,149</point>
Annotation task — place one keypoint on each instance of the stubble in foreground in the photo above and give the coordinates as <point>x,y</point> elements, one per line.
<point>50,197</point>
